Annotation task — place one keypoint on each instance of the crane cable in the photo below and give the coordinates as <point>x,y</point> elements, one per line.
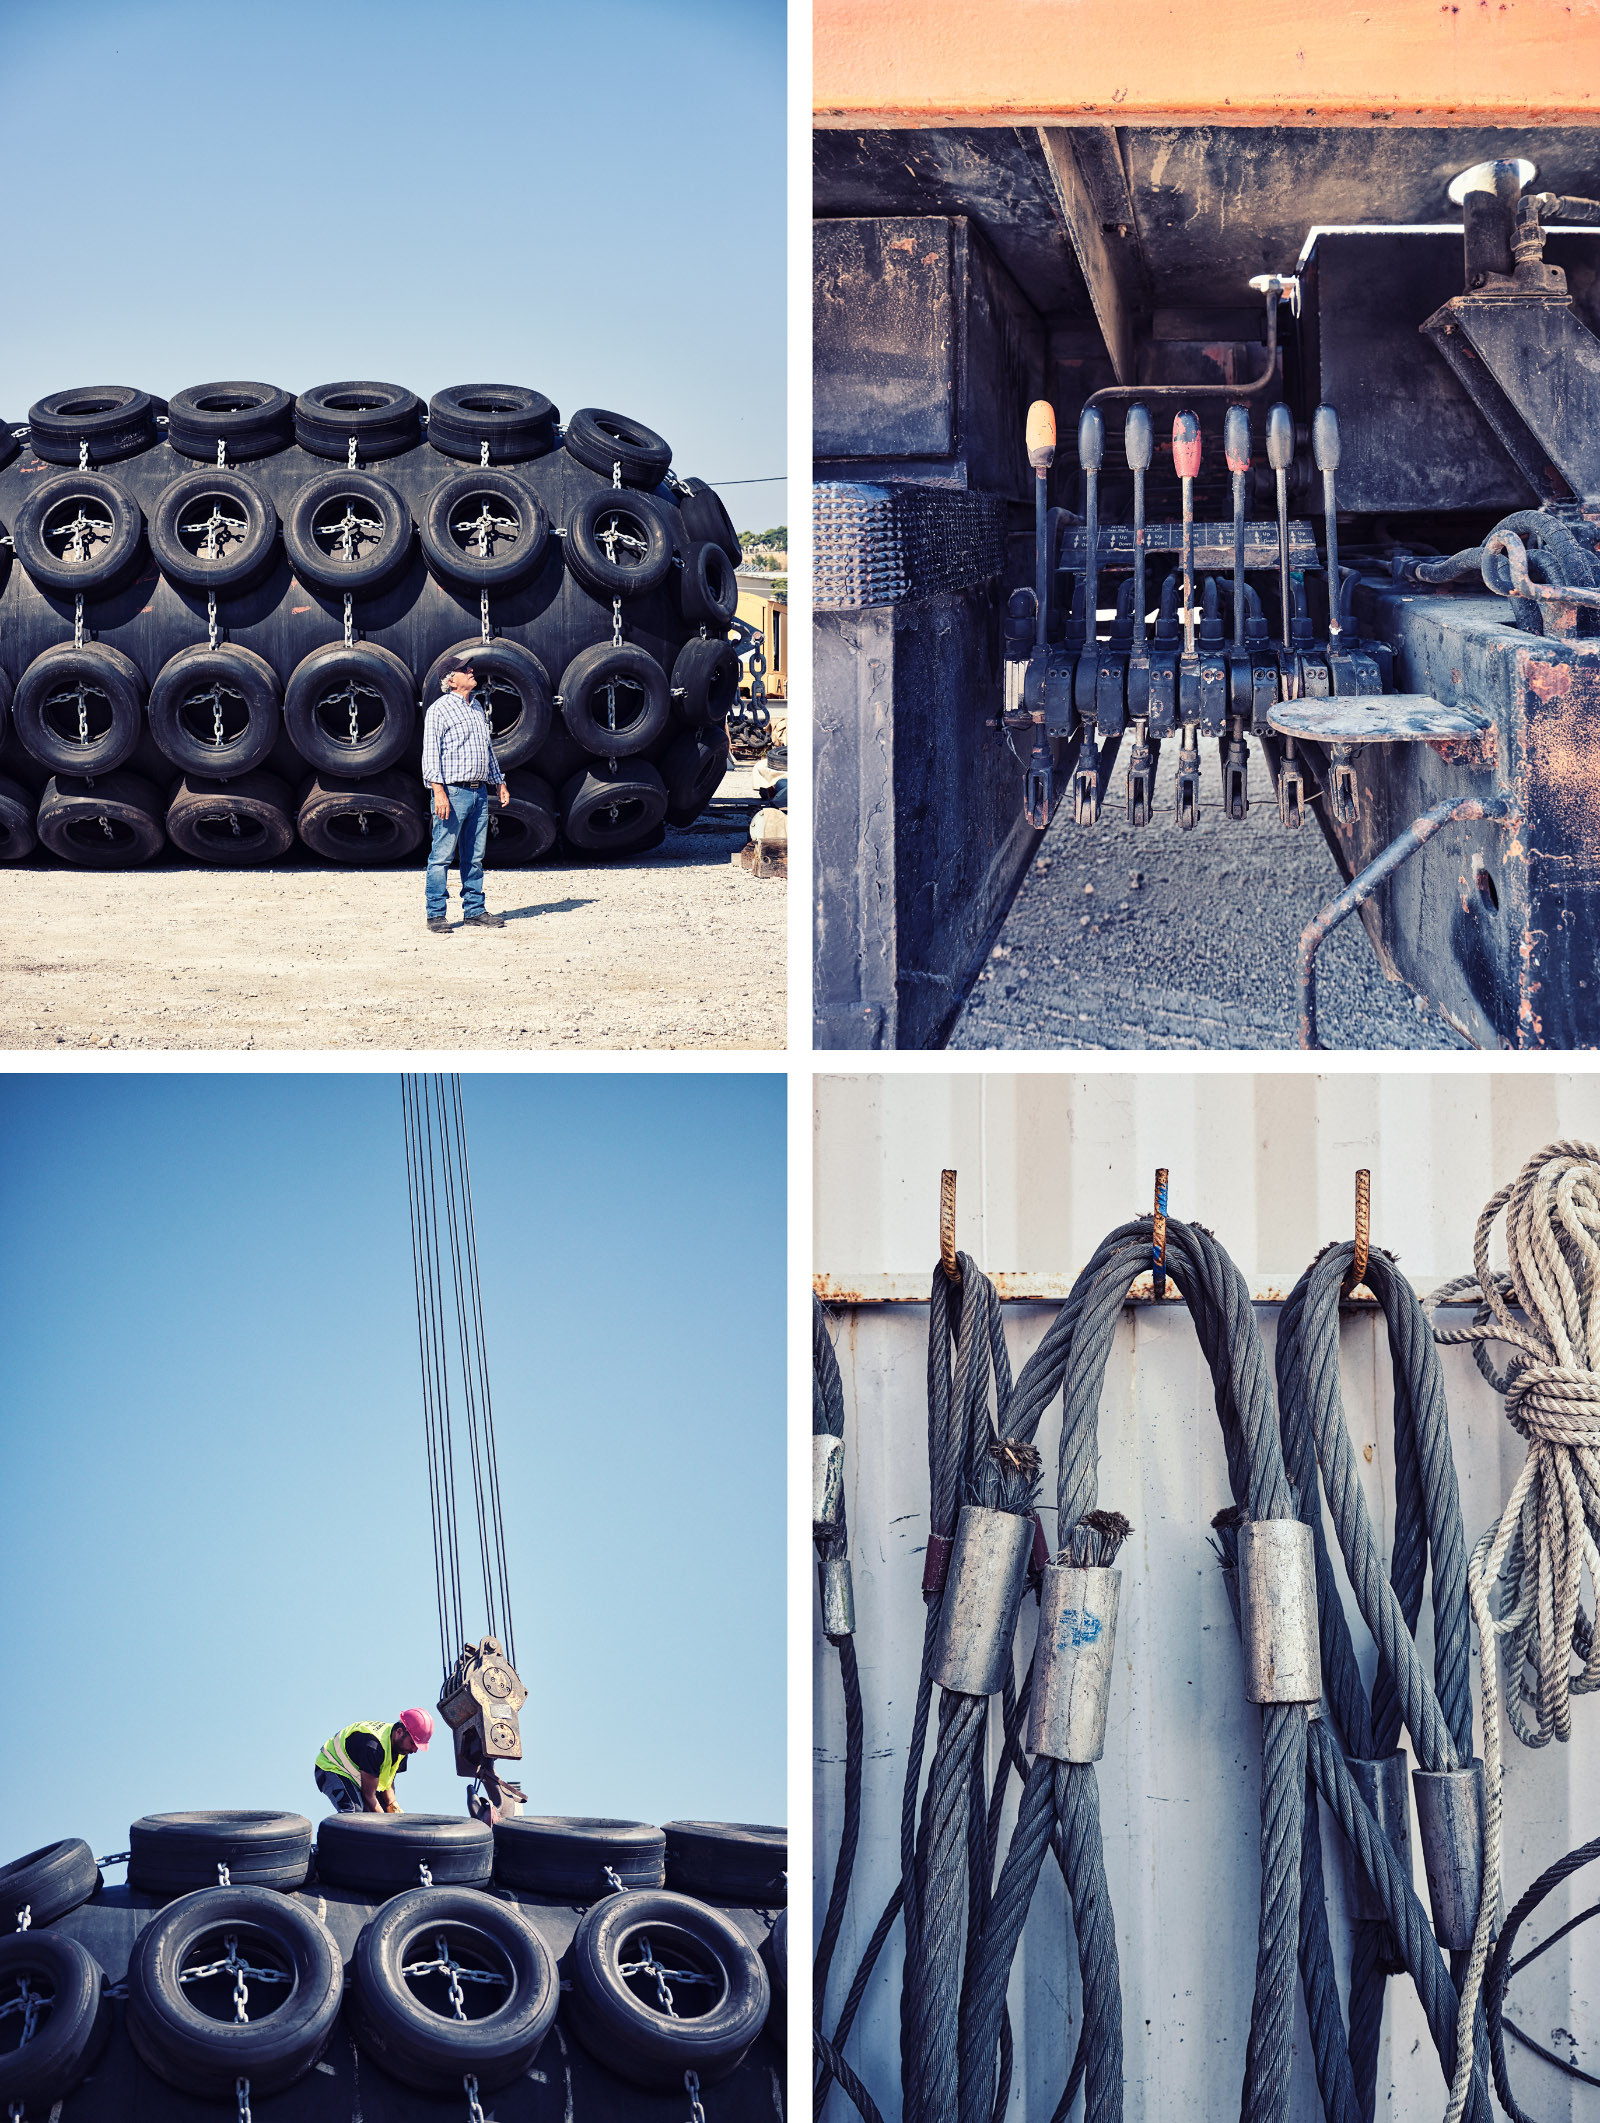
<point>444,1255</point>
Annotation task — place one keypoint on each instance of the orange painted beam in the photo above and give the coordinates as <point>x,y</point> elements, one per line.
<point>1180,62</point>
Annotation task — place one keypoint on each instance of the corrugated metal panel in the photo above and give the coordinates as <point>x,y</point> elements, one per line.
<point>1047,1164</point>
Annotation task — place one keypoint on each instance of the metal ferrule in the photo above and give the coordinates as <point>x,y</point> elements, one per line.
<point>1450,1829</point>
<point>838,1596</point>
<point>988,1573</point>
<point>827,1480</point>
<point>1383,1785</point>
<point>1278,1612</point>
<point>1072,1662</point>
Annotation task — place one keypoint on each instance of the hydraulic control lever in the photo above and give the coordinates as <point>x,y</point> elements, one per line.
<point>1280,455</point>
<point>1325,449</point>
<point>1041,439</point>
<point>1186,463</point>
<point>1086,776</point>
<point>1138,442</point>
<point>1236,760</point>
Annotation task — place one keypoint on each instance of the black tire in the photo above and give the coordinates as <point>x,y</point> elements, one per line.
<point>87,512</point>
<point>174,1853</point>
<point>708,588</point>
<point>775,1953</point>
<point>704,516</point>
<point>615,702</point>
<point>521,697</point>
<point>385,419</point>
<point>411,2033</point>
<point>384,1852</point>
<point>616,2017</point>
<point>527,827</point>
<point>241,822</point>
<point>323,690</point>
<point>111,823</point>
<point>630,525</point>
<point>693,770</point>
<point>199,686</point>
<point>216,508</point>
<point>612,812</point>
<point>362,822</point>
<point>17,840</point>
<point>253,419</point>
<point>600,439</point>
<point>202,2055</point>
<point>550,1855</point>
<point>507,516</point>
<point>113,419</point>
<point>728,1861</point>
<point>49,1881</point>
<point>706,676</point>
<point>66,2045</point>
<point>95,688</point>
<point>517,424</point>
<point>336,506</point>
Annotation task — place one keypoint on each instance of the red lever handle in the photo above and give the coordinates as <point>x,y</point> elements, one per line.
<point>1186,445</point>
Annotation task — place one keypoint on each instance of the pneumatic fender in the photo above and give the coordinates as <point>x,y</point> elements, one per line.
<point>363,823</point>
<point>80,710</point>
<point>350,710</point>
<point>515,423</point>
<point>705,516</point>
<point>186,2031</point>
<point>346,532</point>
<point>601,440</point>
<point>609,810</point>
<point>111,823</point>
<point>526,827</point>
<point>49,1881</point>
<point>77,533</point>
<point>248,820</point>
<point>382,1852</point>
<point>615,701</point>
<point>400,2002</point>
<point>66,2043</point>
<point>618,544</point>
<point>216,711</point>
<point>521,697</point>
<point>17,839</point>
<point>248,419</point>
<point>213,530</point>
<point>720,1997</point>
<point>383,419</point>
<point>693,769</point>
<point>485,529</point>
<point>113,419</point>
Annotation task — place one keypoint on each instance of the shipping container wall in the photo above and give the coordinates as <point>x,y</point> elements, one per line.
<point>1046,1165</point>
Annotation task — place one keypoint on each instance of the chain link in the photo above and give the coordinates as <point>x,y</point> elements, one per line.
<point>14,2112</point>
<point>350,461</point>
<point>83,455</point>
<point>242,2086</point>
<point>350,634</point>
<point>104,824</point>
<point>483,455</point>
<point>77,621</point>
<point>222,454</point>
<point>470,2082</point>
<point>224,1879</point>
<point>691,2080</point>
<point>616,472</point>
<point>213,636</point>
<point>616,1883</point>
<point>427,1874</point>
<point>483,613</point>
<point>616,622</point>
<point>24,1916</point>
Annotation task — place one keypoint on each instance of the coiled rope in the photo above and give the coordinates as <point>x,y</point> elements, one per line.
<point>1546,1308</point>
<point>1436,1709</point>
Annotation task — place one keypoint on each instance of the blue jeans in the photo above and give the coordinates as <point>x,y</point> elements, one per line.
<point>465,830</point>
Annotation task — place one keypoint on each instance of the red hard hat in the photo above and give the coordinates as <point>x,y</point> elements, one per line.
<point>418,1724</point>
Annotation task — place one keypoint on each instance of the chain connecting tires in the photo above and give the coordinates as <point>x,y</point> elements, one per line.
<point>242,583</point>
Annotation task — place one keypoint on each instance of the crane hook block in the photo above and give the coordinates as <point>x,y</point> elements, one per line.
<point>479,1703</point>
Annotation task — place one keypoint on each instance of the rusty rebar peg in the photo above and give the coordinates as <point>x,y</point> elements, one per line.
<point>1356,1273</point>
<point>948,1259</point>
<point>1158,1237</point>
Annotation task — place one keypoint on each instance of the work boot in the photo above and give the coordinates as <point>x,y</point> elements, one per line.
<point>485,920</point>
<point>437,925</point>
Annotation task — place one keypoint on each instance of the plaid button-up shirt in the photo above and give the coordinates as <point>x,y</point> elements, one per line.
<point>456,744</point>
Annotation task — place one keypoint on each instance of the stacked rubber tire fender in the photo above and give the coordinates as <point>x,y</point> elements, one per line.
<point>339,591</point>
<point>721,1993</point>
<point>68,2037</point>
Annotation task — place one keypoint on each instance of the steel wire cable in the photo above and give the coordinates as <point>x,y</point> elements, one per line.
<point>1546,1309</point>
<point>454,1204</point>
<point>1437,1710</point>
<point>480,1350</point>
<point>435,1372</point>
<point>1502,1968</point>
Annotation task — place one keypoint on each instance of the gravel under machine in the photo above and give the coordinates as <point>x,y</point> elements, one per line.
<point>219,615</point>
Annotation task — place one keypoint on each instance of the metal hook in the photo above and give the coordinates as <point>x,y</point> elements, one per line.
<point>948,1258</point>
<point>1158,1237</point>
<point>1356,1274</point>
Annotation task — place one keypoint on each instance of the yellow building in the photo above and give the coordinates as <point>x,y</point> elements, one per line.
<point>761,606</point>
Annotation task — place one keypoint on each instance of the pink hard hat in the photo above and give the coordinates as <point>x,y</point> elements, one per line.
<point>418,1724</point>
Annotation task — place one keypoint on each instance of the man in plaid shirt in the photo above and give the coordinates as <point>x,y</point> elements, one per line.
<point>459,765</point>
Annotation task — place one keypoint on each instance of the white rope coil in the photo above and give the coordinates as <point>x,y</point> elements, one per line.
<point>1547,1311</point>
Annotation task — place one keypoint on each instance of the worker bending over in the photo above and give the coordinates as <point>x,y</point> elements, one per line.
<point>356,1769</point>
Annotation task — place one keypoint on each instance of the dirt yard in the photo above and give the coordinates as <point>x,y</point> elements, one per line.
<point>678,948</point>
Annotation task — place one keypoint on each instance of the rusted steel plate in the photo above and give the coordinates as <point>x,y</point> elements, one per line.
<point>1259,62</point>
<point>1377,719</point>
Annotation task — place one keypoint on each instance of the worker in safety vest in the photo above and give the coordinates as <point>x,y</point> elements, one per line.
<point>356,1769</point>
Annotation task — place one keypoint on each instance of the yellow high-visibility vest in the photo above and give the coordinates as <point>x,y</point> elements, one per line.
<point>335,1755</point>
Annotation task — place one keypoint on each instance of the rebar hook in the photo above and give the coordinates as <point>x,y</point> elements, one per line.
<point>1158,1237</point>
<point>949,1260</point>
<point>1356,1273</point>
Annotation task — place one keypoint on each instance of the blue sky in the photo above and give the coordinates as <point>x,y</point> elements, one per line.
<point>217,1542</point>
<point>585,199</point>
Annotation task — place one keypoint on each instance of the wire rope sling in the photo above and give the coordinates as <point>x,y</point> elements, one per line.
<point>480,1691</point>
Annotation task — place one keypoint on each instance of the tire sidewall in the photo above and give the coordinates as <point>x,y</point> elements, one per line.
<point>321,571</point>
<point>646,2046</point>
<point>64,578</point>
<point>246,672</point>
<point>316,675</point>
<point>586,556</point>
<point>447,558</point>
<point>580,686</point>
<point>117,677</point>
<point>234,572</point>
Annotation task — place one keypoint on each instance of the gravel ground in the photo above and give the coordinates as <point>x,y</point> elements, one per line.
<point>678,948</point>
<point>1155,938</point>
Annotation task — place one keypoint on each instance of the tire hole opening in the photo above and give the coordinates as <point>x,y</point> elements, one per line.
<point>236,1969</point>
<point>457,1973</point>
<point>670,1972</point>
